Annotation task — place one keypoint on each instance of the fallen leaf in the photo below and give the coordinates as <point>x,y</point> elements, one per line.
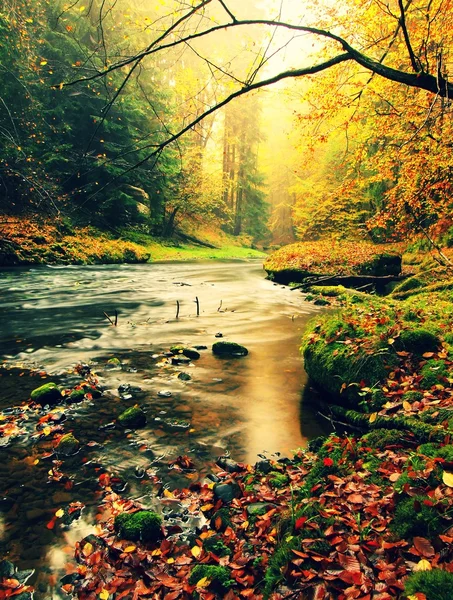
<point>424,546</point>
<point>447,478</point>
<point>196,551</point>
<point>423,565</point>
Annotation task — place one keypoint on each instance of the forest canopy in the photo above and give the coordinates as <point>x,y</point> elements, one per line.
<point>309,120</point>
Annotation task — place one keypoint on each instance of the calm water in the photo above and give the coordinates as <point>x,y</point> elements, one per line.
<point>53,318</point>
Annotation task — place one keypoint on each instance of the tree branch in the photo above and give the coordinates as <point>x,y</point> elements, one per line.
<point>426,81</point>
<point>415,62</point>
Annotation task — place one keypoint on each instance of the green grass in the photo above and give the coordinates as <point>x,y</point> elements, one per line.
<point>188,253</point>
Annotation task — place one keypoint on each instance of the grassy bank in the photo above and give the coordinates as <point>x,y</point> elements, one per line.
<point>24,242</point>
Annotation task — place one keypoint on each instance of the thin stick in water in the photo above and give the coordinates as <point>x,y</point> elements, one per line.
<point>198,305</point>
<point>177,309</point>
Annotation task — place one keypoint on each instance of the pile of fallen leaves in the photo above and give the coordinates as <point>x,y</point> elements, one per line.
<point>328,257</point>
<point>320,526</point>
<point>30,241</point>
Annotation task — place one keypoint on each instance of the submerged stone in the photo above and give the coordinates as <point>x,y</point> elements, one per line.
<point>229,349</point>
<point>227,492</point>
<point>132,417</point>
<point>48,393</point>
<point>143,525</point>
<point>184,377</point>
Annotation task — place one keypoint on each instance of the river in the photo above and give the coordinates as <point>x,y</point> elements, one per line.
<point>53,318</point>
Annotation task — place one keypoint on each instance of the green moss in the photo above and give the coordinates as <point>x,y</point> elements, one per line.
<point>330,365</point>
<point>410,283</point>
<point>229,349</point>
<point>412,396</point>
<point>381,438</point>
<point>433,373</point>
<point>278,480</point>
<point>218,576</point>
<point>330,291</point>
<point>435,451</point>
<point>436,584</point>
<point>143,525</point>
<point>418,341</point>
<point>46,394</point>
<point>221,519</point>
<point>215,545</point>
<point>77,395</point>
<point>133,417</point>
<point>414,517</point>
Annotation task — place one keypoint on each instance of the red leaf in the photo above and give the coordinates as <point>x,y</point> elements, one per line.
<point>300,523</point>
<point>328,462</point>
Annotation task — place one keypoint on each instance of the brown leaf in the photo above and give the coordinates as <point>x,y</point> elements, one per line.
<point>356,498</point>
<point>424,546</point>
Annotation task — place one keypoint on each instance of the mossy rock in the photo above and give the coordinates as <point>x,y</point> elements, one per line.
<point>133,418</point>
<point>67,445</point>
<point>331,366</point>
<point>215,545</point>
<point>218,576</point>
<point>114,361</point>
<point>411,283</point>
<point>434,372</point>
<point>143,525</point>
<point>412,396</point>
<point>436,584</point>
<point>229,349</point>
<point>381,438</point>
<point>191,353</point>
<point>418,341</point>
<point>48,393</point>
<point>77,395</point>
<point>416,516</point>
<point>381,265</point>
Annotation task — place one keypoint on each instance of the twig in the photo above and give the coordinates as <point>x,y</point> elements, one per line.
<point>111,322</point>
<point>116,317</point>
<point>198,305</point>
<point>177,309</point>
<point>220,306</point>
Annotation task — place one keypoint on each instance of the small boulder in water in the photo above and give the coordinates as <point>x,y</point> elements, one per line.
<point>133,418</point>
<point>48,393</point>
<point>68,445</point>
<point>229,349</point>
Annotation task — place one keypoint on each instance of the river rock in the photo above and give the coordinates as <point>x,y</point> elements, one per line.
<point>133,418</point>
<point>76,396</point>
<point>191,353</point>
<point>198,347</point>
<point>164,393</point>
<point>184,376</point>
<point>180,360</point>
<point>228,465</point>
<point>229,349</point>
<point>227,492</point>
<point>47,394</point>
<point>6,569</point>
<point>263,466</point>
<point>67,445</point>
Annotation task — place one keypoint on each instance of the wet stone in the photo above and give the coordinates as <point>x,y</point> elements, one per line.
<point>180,360</point>
<point>200,347</point>
<point>263,466</point>
<point>227,492</point>
<point>164,393</point>
<point>228,465</point>
<point>6,569</point>
<point>184,376</point>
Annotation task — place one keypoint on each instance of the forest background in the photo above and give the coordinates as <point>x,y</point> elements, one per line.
<point>92,93</point>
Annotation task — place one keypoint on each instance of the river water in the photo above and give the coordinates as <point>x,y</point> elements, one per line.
<point>53,318</point>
